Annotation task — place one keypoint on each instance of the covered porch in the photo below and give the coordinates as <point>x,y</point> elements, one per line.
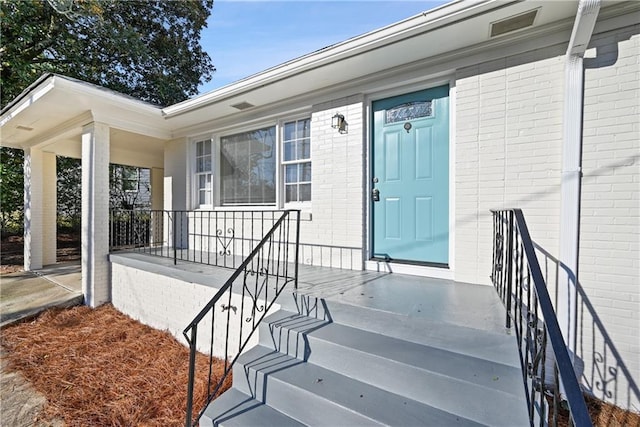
<point>60,116</point>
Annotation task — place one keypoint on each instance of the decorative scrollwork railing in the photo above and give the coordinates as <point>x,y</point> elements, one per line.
<point>224,327</point>
<point>218,238</point>
<point>549,378</point>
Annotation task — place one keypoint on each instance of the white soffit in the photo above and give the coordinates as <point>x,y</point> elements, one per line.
<point>455,26</point>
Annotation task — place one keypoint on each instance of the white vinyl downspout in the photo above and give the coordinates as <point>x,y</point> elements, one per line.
<point>571,169</point>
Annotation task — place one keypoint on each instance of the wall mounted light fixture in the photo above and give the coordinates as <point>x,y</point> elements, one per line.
<point>338,122</point>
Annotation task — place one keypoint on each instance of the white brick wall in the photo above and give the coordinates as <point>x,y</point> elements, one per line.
<point>332,233</point>
<point>168,303</point>
<point>508,154</point>
<point>609,265</point>
<point>95,214</point>
<point>508,147</point>
<point>176,183</point>
<point>337,187</point>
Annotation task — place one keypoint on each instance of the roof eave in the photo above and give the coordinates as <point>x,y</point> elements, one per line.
<point>443,15</point>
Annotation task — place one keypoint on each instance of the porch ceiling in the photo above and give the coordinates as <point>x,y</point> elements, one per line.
<point>126,148</point>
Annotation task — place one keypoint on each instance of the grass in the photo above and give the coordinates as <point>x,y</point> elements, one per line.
<point>99,367</point>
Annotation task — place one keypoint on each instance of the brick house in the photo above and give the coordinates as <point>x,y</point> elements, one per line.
<point>395,145</point>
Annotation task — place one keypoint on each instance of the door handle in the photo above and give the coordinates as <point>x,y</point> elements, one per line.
<point>375,195</point>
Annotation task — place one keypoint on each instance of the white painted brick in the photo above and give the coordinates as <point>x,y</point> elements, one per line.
<point>527,173</point>
<point>610,231</point>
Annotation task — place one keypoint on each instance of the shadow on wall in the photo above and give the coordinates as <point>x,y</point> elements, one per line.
<point>601,367</point>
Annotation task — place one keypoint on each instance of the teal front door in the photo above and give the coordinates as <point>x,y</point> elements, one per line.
<point>410,178</point>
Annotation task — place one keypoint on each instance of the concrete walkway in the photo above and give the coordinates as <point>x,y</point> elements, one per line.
<point>27,293</point>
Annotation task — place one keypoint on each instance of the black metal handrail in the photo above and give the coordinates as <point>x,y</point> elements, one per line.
<point>519,281</point>
<point>249,293</point>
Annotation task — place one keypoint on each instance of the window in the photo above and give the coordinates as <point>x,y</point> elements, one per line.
<point>124,178</point>
<point>129,187</point>
<point>130,179</point>
<point>204,172</point>
<point>296,160</point>
<point>248,168</point>
<point>245,171</point>
<point>409,111</point>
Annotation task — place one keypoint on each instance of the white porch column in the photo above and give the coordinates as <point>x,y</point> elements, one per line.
<point>39,209</point>
<point>96,285</point>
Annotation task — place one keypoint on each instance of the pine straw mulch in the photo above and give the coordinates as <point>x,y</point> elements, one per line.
<point>602,414</point>
<point>99,367</point>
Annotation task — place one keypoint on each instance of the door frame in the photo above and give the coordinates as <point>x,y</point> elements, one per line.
<point>404,267</point>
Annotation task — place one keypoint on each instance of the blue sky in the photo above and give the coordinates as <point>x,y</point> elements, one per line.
<point>245,37</point>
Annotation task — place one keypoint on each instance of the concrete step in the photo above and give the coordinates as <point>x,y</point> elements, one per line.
<point>433,376</point>
<point>327,362</point>
<point>317,396</point>
<point>235,408</point>
<point>500,347</point>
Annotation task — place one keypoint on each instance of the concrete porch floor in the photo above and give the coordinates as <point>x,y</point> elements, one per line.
<point>462,304</point>
<point>420,298</point>
<point>27,293</point>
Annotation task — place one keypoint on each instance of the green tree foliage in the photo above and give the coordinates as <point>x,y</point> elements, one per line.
<point>147,49</point>
<point>11,190</point>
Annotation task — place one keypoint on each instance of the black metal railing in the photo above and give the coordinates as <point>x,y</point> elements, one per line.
<point>551,385</point>
<point>133,229</point>
<point>218,238</point>
<point>225,325</point>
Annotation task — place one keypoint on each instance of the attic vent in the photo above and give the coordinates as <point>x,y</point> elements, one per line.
<point>513,23</point>
<point>27,128</point>
<point>243,105</point>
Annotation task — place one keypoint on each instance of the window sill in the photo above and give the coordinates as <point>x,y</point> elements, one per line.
<point>305,210</point>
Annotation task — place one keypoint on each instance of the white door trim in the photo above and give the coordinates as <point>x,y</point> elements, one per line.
<point>401,268</point>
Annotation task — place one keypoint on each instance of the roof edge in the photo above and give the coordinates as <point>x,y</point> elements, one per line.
<point>421,22</point>
<point>26,92</point>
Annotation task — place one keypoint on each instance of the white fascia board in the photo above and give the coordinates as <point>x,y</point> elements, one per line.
<point>132,121</point>
<point>555,33</point>
<point>38,91</point>
<point>444,15</point>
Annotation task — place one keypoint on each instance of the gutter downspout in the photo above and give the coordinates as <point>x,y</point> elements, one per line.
<point>583,26</point>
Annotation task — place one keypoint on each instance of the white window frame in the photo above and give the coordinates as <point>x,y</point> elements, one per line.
<point>283,163</point>
<point>215,138</point>
<point>218,167</point>
<point>195,175</point>
<point>119,171</point>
